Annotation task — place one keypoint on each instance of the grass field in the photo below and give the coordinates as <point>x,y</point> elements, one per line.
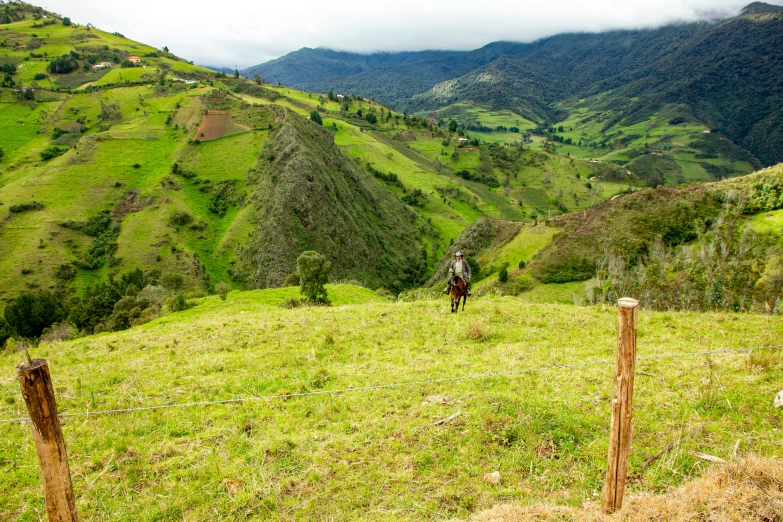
<point>381,454</point>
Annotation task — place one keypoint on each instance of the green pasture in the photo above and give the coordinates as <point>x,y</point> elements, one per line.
<point>415,452</point>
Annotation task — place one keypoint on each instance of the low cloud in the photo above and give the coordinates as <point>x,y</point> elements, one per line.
<point>245,33</point>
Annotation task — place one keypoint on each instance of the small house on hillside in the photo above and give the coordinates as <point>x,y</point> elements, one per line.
<point>134,59</point>
<point>102,65</point>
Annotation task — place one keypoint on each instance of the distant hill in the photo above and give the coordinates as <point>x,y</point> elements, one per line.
<point>391,77</point>
<point>728,74</point>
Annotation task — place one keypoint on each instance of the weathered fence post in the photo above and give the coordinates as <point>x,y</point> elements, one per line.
<point>38,393</point>
<point>622,404</point>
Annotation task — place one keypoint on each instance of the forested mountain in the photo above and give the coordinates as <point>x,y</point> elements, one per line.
<point>392,77</point>
<point>727,75</point>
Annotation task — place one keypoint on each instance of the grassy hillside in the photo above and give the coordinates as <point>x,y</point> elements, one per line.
<point>382,453</point>
<point>175,169</point>
<point>702,246</point>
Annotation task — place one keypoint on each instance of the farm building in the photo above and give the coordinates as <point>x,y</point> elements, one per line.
<point>134,59</point>
<point>102,65</point>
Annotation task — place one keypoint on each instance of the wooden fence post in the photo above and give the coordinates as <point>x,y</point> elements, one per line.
<point>622,405</point>
<point>38,392</point>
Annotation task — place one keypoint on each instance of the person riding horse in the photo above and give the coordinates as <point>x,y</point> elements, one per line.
<point>459,268</point>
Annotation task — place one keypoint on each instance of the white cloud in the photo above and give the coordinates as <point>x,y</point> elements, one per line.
<point>245,32</point>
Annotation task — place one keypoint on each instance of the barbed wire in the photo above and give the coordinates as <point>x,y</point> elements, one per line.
<point>389,386</point>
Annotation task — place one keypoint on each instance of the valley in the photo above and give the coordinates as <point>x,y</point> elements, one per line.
<point>157,219</point>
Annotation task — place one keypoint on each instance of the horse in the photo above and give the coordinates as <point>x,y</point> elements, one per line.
<point>458,290</point>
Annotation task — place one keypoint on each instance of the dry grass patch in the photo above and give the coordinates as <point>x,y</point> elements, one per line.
<point>477,331</point>
<point>749,490</point>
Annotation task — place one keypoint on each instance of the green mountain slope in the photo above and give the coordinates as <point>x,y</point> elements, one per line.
<point>390,77</point>
<point>727,75</point>
<point>703,246</point>
<point>223,179</point>
<point>308,195</point>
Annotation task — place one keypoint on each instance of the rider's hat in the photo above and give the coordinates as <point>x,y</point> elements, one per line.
<point>458,254</point>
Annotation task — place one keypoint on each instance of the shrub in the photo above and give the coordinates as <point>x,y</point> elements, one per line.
<point>292,279</point>
<point>65,273</point>
<point>180,218</point>
<point>475,268</point>
<point>222,290</point>
<point>291,302</point>
<point>316,117</point>
<point>24,207</point>
<point>5,331</point>
<point>172,282</point>
<point>110,111</point>
<point>313,271</point>
<point>178,303</point>
<point>522,264</point>
<point>503,275</point>
<point>52,152</point>
<point>30,313</point>
<point>66,21</point>
<point>39,77</point>
<point>63,331</point>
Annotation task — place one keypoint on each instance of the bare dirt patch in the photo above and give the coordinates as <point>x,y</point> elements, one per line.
<point>216,124</point>
<point>130,202</point>
<point>406,136</point>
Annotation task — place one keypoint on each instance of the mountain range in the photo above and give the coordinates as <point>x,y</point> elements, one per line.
<point>725,74</point>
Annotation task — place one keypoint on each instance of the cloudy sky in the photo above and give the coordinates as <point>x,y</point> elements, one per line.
<point>249,32</point>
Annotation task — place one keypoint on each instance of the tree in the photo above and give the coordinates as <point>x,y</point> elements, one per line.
<point>236,73</point>
<point>453,126</point>
<point>5,331</point>
<point>371,118</point>
<point>30,313</point>
<point>172,282</point>
<point>63,64</point>
<point>66,21</point>
<point>257,78</point>
<point>222,290</point>
<point>165,49</point>
<point>110,111</point>
<point>1,155</point>
<point>313,271</point>
<point>503,275</point>
<point>331,94</point>
<point>316,117</point>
